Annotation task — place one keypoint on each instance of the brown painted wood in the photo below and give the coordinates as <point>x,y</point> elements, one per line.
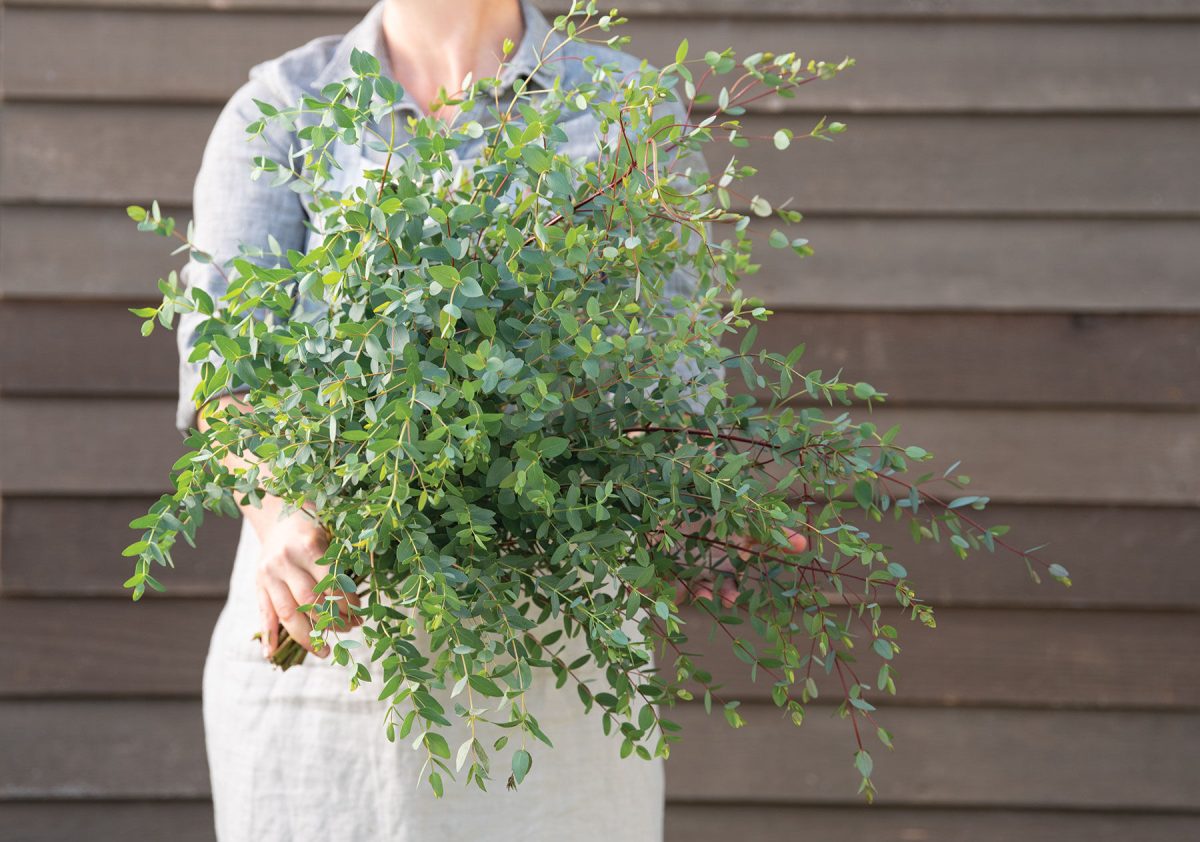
<point>955,359</point>
<point>695,822</point>
<point>918,65</point>
<point>109,258</point>
<point>191,821</point>
<point>98,749</point>
<point>1042,175</point>
<point>984,9</point>
<point>927,264</point>
<point>85,536</point>
<point>951,758</point>
<point>1028,658</point>
<point>1133,761</point>
<point>918,359</point>
<point>107,647</point>
<point>1034,659</point>
<point>860,264</point>
<point>900,164</point>
<point>1119,557</point>
<point>99,351</point>
<point>58,821</point>
<point>943,263</point>
<point>83,446</point>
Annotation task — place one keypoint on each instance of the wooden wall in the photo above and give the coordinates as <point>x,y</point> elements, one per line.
<point>1007,244</point>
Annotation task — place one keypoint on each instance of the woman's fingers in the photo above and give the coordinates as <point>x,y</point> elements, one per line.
<point>798,540</point>
<point>300,585</point>
<point>293,621</point>
<point>747,546</point>
<point>270,623</point>
<point>728,591</point>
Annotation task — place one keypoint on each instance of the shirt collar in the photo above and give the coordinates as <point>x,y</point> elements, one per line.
<point>367,35</point>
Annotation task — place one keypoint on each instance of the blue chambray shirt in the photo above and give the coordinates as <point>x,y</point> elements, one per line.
<point>229,209</point>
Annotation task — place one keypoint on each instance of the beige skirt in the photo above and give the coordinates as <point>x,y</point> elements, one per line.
<point>296,756</point>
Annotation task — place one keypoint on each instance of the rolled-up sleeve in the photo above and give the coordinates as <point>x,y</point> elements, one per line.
<point>231,210</point>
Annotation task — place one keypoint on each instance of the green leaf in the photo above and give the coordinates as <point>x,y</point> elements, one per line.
<point>437,744</point>
<point>444,274</point>
<point>484,685</point>
<point>864,492</point>
<point>522,762</point>
<point>553,446</point>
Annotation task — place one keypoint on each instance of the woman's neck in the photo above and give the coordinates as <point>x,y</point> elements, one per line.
<point>432,43</point>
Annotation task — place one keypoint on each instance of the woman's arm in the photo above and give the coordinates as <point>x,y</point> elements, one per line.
<point>229,209</point>
<point>290,546</point>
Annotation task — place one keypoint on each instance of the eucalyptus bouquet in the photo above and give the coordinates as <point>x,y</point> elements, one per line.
<point>501,388</point>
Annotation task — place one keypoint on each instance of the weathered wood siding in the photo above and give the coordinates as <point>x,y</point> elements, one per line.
<point>1007,244</point>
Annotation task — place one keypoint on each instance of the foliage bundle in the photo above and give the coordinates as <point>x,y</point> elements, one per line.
<point>504,418</point>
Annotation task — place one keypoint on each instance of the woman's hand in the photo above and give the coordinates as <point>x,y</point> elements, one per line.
<point>290,548</point>
<point>702,588</point>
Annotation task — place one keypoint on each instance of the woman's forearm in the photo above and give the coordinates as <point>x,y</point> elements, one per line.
<point>267,515</point>
<point>291,545</point>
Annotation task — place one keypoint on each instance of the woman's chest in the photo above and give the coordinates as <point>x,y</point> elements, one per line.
<point>580,138</point>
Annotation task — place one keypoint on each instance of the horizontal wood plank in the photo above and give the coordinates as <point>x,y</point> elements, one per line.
<point>1042,759</point>
<point>699,822</point>
<point>1028,658</point>
<point>885,164</point>
<point>945,758</point>
<point>918,65</point>
<point>1024,658</point>
<point>102,749</point>
<point>918,359</point>
<point>84,446</point>
<point>85,537</point>
<point>933,264</point>
<point>958,359</point>
<point>70,821</point>
<point>1119,557</point>
<point>984,9</point>
<point>191,821</point>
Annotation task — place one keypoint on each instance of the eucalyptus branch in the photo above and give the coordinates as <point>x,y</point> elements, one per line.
<point>517,437</point>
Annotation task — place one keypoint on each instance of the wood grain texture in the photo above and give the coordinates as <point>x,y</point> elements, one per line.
<point>1095,165</point>
<point>918,359</point>
<point>1027,658</point>
<point>99,749</point>
<point>191,821</point>
<point>85,536</point>
<point>798,9</point>
<point>71,821</point>
<point>693,822</point>
<point>946,758</point>
<point>1119,557</point>
<point>60,446</point>
<point>994,264</point>
<point>951,758</point>
<point>892,263</point>
<point>919,65</point>
<point>1005,242</point>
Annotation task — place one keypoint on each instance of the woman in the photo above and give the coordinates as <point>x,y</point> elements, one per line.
<point>295,755</point>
